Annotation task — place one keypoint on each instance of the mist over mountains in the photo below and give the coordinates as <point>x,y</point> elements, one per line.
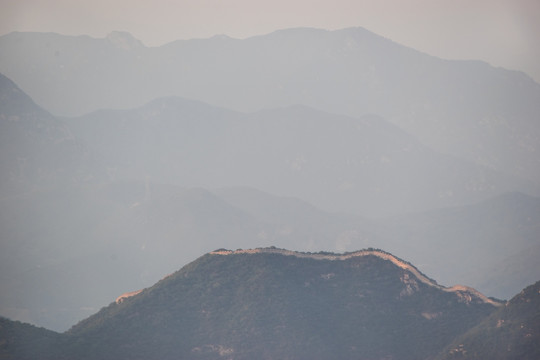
<point>464,108</point>
<point>303,139</point>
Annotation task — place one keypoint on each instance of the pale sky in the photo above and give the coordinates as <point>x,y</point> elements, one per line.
<point>502,32</point>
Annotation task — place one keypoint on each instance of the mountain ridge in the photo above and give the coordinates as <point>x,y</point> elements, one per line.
<point>374,252</point>
<point>461,290</point>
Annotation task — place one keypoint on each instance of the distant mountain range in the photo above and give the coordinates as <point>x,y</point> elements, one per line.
<point>271,303</point>
<point>469,109</point>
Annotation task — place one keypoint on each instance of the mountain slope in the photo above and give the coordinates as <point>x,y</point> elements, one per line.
<point>270,303</point>
<point>512,332</point>
<point>36,149</point>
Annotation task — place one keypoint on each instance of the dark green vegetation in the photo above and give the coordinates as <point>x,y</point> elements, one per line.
<point>512,332</point>
<point>20,341</point>
<point>277,306</point>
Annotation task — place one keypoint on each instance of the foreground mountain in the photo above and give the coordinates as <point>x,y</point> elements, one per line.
<point>510,333</point>
<point>271,303</point>
<point>467,109</point>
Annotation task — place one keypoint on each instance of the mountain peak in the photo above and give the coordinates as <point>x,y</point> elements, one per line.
<point>221,37</point>
<point>124,40</point>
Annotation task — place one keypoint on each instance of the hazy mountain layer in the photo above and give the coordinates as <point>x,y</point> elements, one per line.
<point>363,165</point>
<point>466,108</point>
